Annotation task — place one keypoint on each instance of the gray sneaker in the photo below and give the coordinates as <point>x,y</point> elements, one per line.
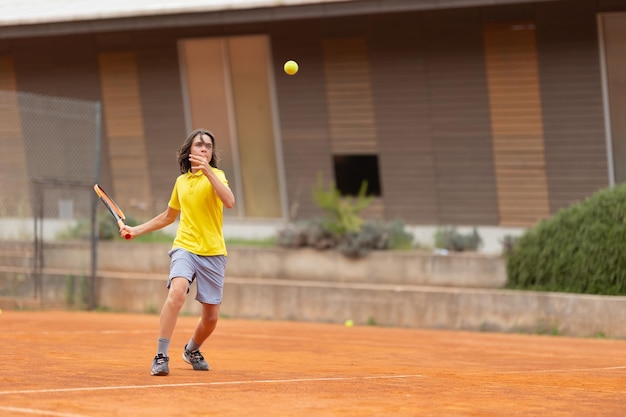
<point>160,366</point>
<point>195,359</point>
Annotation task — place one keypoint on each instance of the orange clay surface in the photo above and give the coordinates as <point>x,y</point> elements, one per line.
<point>76,364</point>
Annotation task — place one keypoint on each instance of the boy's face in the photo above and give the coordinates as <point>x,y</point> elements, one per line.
<point>202,146</point>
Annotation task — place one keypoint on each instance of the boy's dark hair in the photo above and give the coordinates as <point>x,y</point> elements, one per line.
<point>185,148</point>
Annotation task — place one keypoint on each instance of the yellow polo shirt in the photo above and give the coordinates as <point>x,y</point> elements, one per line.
<point>201,214</point>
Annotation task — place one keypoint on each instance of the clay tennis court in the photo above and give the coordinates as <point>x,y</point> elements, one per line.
<point>73,364</point>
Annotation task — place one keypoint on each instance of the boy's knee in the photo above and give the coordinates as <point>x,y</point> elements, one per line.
<point>178,291</point>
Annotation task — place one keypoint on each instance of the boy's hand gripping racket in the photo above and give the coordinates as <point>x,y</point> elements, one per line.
<point>113,208</point>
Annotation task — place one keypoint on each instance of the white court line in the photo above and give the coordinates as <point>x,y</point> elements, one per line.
<point>227,334</point>
<point>38,412</point>
<point>77,332</point>
<point>543,371</point>
<point>197,384</point>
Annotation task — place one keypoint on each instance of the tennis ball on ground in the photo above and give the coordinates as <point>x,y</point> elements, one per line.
<point>291,67</point>
<point>349,323</point>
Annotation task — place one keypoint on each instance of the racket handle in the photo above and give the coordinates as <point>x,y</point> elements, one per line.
<point>121,224</point>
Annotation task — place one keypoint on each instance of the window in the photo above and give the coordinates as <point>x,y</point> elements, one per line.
<point>352,170</point>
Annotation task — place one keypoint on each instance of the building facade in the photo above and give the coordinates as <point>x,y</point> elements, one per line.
<point>489,115</point>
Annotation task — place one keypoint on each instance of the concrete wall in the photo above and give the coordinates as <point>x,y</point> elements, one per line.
<point>429,307</point>
<point>390,289</point>
<point>388,305</point>
<point>386,267</point>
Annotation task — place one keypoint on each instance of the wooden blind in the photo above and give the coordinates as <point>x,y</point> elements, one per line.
<point>249,58</point>
<point>7,74</point>
<point>401,96</point>
<point>13,171</point>
<point>349,96</point>
<point>124,124</point>
<point>228,92</point>
<point>516,123</point>
<point>303,113</point>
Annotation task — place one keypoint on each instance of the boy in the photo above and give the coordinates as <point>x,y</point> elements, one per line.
<point>198,252</point>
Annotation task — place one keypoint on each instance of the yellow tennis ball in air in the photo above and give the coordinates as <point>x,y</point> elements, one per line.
<point>349,323</point>
<point>291,67</point>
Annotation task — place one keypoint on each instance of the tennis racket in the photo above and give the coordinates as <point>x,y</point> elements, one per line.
<point>116,212</point>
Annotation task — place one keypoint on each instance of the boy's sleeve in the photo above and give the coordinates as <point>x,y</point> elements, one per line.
<point>174,202</point>
<point>220,174</point>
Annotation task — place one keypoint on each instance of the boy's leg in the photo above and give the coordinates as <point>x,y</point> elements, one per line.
<point>171,307</point>
<point>208,322</point>
<point>169,315</point>
<point>204,328</point>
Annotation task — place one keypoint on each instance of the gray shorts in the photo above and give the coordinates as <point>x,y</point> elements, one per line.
<point>209,270</point>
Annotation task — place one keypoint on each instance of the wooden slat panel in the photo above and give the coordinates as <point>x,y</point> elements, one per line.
<point>124,124</point>
<point>460,119</point>
<point>209,102</point>
<point>515,102</point>
<point>574,136</point>
<point>162,105</point>
<point>65,66</point>
<point>7,74</point>
<point>303,118</point>
<point>76,67</point>
<point>34,65</point>
<point>400,93</point>
<point>250,76</point>
<point>13,170</point>
<point>349,96</point>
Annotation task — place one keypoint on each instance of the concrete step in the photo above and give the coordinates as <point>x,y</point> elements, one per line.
<point>20,257</point>
<point>391,267</point>
<point>16,254</point>
<point>60,288</point>
<point>454,308</point>
<point>418,306</point>
<point>17,245</point>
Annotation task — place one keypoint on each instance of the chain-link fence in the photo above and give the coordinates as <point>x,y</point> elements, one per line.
<point>49,161</point>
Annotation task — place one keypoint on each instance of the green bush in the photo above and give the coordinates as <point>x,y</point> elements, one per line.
<point>449,238</point>
<point>371,236</point>
<point>307,233</point>
<point>508,243</point>
<point>399,237</point>
<point>342,226</point>
<point>581,249</point>
<point>342,215</point>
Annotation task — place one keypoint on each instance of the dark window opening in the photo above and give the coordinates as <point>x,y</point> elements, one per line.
<point>352,170</point>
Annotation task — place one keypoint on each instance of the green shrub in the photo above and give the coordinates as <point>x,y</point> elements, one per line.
<point>449,238</point>
<point>399,237</point>
<point>581,249</point>
<point>342,214</point>
<point>342,226</point>
<point>371,236</point>
<point>508,243</point>
<point>307,233</point>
